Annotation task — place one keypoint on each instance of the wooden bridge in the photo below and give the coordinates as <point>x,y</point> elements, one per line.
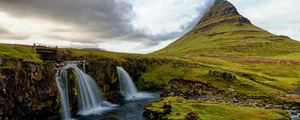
<point>48,53</point>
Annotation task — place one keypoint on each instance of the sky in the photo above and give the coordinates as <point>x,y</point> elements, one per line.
<point>132,26</point>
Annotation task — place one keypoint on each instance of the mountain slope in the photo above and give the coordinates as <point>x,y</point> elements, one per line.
<point>224,32</point>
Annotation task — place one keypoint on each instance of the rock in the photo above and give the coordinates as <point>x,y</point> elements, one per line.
<point>191,116</point>
<point>223,75</point>
<point>293,113</point>
<point>25,97</point>
<point>151,115</point>
<point>167,108</point>
<point>268,106</point>
<point>247,76</point>
<point>235,100</point>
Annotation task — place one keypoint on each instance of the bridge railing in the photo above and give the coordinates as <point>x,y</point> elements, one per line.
<point>37,45</point>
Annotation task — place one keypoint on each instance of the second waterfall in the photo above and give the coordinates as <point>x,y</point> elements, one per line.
<point>128,88</point>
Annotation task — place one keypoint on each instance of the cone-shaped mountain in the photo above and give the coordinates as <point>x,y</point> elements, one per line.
<point>224,32</point>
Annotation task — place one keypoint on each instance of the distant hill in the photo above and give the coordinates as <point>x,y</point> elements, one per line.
<point>224,32</point>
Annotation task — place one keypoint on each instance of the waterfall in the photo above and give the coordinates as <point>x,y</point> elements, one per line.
<point>62,84</point>
<point>90,97</point>
<point>127,87</point>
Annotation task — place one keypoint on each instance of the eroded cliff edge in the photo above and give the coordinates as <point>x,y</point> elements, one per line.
<point>28,89</point>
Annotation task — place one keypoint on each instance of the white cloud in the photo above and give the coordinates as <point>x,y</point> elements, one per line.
<point>132,47</point>
<point>277,16</point>
<point>165,15</point>
<point>107,24</point>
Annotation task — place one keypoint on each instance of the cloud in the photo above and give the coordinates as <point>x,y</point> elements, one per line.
<point>3,31</point>
<point>101,18</point>
<point>5,34</point>
<point>97,21</point>
<point>276,16</point>
<point>168,16</point>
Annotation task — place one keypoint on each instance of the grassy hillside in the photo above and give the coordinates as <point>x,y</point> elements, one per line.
<point>261,83</point>
<point>224,32</point>
<point>256,79</point>
<point>18,52</point>
<point>182,109</point>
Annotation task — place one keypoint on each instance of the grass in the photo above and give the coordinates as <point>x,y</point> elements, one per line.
<point>230,39</point>
<point>274,80</point>
<point>214,111</point>
<point>14,52</point>
<point>263,80</point>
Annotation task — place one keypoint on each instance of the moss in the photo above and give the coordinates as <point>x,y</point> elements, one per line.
<point>213,111</point>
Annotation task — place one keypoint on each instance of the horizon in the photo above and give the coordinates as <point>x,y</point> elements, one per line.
<point>138,31</point>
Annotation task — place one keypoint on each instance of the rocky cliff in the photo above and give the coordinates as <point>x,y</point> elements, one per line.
<point>28,91</point>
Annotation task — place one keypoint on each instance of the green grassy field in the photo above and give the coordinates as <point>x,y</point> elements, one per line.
<point>214,111</point>
<point>18,52</point>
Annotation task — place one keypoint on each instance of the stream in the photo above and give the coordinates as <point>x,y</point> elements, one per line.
<point>294,114</point>
<point>127,110</point>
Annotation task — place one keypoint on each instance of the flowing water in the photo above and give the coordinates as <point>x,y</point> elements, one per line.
<point>127,87</point>
<point>90,98</point>
<point>92,105</point>
<point>294,114</point>
<point>62,84</point>
<point>128,110</point>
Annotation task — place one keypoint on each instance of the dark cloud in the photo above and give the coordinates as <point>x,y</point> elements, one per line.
<point>98,20</point>
<point>107,18</point>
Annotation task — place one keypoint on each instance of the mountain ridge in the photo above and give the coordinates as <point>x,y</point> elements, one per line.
<point>224,32</point>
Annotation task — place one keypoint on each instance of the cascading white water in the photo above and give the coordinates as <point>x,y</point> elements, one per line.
<point>90,97</point>
<point>62,84</point>
<point>127,87</point>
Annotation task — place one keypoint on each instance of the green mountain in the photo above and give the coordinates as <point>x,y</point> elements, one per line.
<point>224,32</point>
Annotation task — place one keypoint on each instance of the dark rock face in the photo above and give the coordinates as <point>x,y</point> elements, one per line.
<point>28,91</point>
<point>223,75</point>
<point>152,115</point>
<point>167,108</point>
<point>192,116</point>
<point>189,89</point>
